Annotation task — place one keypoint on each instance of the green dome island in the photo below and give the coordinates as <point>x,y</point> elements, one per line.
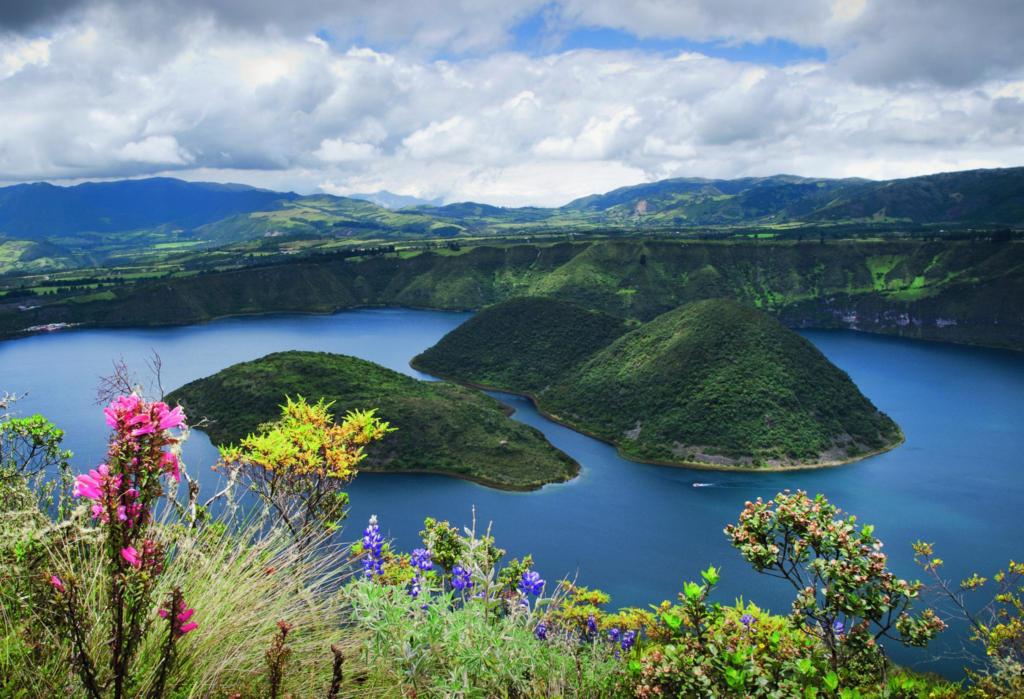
<point>440,427</point>
<point>712,384</point>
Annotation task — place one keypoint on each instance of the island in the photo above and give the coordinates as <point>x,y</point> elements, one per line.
<point>440,427</point>
<point>713,384</point>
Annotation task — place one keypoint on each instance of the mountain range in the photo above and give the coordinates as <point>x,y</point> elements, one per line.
<point>97,220</point>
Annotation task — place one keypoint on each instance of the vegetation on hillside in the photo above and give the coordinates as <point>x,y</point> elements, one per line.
<point>712,382</point>
<point>111,589</point>
<point>961,291</point>
<point>525,344</point>
<point>438,427</point>
<point>105,221</point>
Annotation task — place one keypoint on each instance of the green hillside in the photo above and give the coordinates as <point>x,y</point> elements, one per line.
<point>441,428</point>
<point>958,292</point>
<point>980,197</point>
<point>527,343</point>
<point>713,382</point>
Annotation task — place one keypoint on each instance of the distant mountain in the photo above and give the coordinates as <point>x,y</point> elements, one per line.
<point>96,221</point>
<point>44,211</point>
<point>972,196</point>
<point>390,200</point>
<point>984,197</point>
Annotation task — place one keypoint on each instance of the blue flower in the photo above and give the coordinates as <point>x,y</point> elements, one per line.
<point>421,558</point>
<point>838,628</point>
<point>613,635</point>
<point>628,639</point>
<point>531,583</point>
<point>461,578</point>
<point>414,591</point>
<point>591,624</point>
<point>373,547</point>
<point>541,632</point>
<point>748,619</point>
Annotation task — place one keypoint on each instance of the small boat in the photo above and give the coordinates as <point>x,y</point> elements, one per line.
<point>702,485</point>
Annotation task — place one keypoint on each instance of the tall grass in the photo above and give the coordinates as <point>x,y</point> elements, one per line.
<point>242,578</point>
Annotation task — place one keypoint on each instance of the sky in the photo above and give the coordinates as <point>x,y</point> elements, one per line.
<point>507,102</point>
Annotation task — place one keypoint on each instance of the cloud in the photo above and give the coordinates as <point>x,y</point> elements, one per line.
<point>158,150</point>
<point>336,150</point>
<point>207,92</point>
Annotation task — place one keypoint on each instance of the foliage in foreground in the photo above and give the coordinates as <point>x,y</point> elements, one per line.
<point>81,589</point>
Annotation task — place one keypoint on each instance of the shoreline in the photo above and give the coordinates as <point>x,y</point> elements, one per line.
<point>696,466</point>
<point>89,325</point>
<point>473,479</point>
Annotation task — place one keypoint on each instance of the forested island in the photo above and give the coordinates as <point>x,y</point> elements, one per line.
<point>713,383</point>
<point>438,427</point>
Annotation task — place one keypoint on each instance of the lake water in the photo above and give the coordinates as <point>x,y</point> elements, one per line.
<point>635,531</point>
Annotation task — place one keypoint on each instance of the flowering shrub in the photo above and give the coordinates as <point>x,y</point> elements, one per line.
<point>846,597</point>
<point>122,597</point>
<point>299,464</point>
<point>122,492</point>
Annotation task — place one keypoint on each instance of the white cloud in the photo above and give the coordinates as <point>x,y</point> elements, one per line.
<point>225,97</point>
<point>19,53</point>
<point>336,150</point>
<point>157,150</point>
<point>440,138</point>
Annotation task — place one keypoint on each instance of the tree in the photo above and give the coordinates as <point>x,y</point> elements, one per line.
<point>299,464</point>
<point>845,595</point>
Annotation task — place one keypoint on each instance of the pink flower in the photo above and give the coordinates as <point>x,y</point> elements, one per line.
<point>141,417</point>
<point>171,465</point>
<point>148,429</point>
<point>132,556</point>
<point>170,419</point>
<point>57,583</point>
<point>183,618</point>
<point>91,486</point>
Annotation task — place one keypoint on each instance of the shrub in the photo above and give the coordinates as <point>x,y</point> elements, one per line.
<point>299,464</point>
<point>846,597</point>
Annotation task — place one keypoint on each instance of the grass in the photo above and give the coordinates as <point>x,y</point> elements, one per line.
<point>241,578</point>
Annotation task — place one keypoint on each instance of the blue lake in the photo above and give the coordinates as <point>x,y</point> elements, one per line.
<point>636,531</point>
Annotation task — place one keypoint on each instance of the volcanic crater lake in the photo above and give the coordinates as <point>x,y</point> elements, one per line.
<point>633,530</point>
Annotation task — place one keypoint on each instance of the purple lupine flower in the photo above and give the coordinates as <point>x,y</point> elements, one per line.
<point>414,591</point>
<point>628,639</point>
<point>531,583</point>
<point>613,635</point>
<point>541,632</point>
<point>373,547</point>
<point>461,578</point>
<point>838,628</point>
<point>591,624</point>
<point>747,620</point>
<point>421,558</point>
